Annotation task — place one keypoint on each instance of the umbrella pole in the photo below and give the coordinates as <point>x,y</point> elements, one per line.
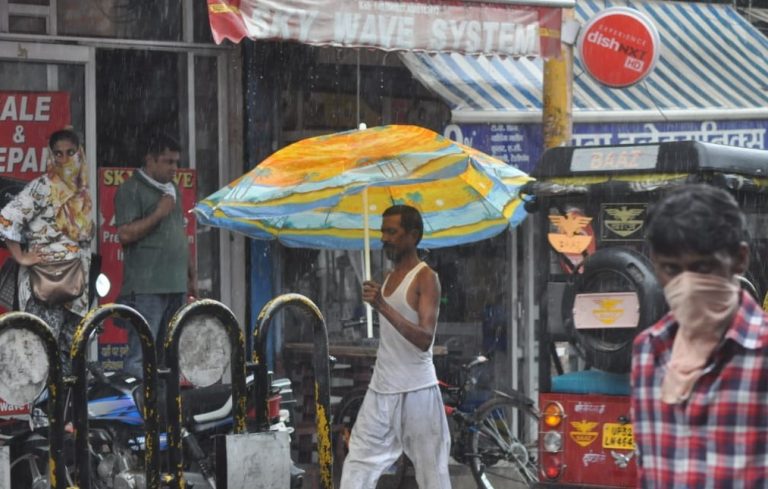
<point>367,261</point>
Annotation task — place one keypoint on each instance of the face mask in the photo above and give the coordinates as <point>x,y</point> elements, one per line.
<point>702,303</point>
<point>70,168</point>
<point>68,171</point>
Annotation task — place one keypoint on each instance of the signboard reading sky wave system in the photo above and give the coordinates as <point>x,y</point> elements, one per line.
<point>455,26</point>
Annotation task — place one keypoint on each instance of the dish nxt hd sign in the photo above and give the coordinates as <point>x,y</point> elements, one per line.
<point>619,47</point>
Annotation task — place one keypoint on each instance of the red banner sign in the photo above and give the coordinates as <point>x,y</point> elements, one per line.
<point>27,119</point>
<point>414,25</point>
<point>112,342</point>
<point>619,47</point>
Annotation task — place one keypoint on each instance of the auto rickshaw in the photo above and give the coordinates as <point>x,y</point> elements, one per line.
<point>596,288</point>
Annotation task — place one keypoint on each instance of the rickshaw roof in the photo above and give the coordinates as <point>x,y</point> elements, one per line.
<point>674,157</point>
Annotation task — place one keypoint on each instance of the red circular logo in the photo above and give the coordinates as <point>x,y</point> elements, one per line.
<point>619,47</point>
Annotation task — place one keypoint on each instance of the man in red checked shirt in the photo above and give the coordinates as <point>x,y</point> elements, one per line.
<point>700,375</point>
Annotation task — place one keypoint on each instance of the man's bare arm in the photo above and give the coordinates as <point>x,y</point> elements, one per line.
<point>427,307</point>
<point>138,229</point>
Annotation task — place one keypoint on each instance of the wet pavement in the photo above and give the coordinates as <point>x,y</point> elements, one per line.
<point>461,478</point>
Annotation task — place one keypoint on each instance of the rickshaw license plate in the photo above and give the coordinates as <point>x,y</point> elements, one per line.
<point>618,436</point>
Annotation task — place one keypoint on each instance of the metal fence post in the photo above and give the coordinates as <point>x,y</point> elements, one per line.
<point>184,317</point>
<point>22,320</point>
<point>322,374</point>
<point>80,399</point>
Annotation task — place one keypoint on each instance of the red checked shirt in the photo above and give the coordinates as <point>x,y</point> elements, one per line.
<point>718,438</point>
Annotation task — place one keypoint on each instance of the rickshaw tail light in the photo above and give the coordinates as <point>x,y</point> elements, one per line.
<point>552,415</point>
<point>553,442</point>
<point>553,468</point>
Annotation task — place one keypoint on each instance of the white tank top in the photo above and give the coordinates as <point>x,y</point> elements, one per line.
<point>400,365</point>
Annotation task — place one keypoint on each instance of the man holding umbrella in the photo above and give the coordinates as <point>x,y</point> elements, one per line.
<point>403,408</point>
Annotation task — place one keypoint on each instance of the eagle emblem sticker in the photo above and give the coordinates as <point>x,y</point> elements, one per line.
<point>572,236</point>
<point>584,432</point>
<point>622,222</point>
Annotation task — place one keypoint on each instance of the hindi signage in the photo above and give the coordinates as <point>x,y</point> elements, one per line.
<point>521,144</point>
<point>619,46</point>
<point>418,25</point>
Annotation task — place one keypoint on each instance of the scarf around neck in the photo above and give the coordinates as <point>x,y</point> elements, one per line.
<point>165,188</point>
<point>70,197</point>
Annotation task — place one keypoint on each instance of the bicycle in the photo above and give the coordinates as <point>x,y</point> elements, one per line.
<point>495,436</point>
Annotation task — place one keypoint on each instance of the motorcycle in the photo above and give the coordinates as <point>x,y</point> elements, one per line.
<point>117,437</point>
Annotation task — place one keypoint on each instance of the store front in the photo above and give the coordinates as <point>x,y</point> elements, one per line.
<point>708,85</point>
<point>122,68</point>
<point>342,70</point>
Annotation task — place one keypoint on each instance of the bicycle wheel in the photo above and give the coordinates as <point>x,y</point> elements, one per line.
<point>343,420</point>
<point>503,444</point>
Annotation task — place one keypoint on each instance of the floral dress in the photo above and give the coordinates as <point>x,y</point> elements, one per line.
<point>30,219</point>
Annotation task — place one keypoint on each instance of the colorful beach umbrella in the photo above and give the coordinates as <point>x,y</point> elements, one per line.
<point>318,192</point>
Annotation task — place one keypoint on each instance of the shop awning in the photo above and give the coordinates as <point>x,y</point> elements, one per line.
<point>713,65</point>
<point>505,27</point>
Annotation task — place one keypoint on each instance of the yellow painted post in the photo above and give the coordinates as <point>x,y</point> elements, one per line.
<point>557,116</point>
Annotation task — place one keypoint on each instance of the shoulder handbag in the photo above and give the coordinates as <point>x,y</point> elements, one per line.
<point>57,282</point>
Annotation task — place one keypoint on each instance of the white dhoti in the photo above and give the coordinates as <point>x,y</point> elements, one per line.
<point>390,424</point>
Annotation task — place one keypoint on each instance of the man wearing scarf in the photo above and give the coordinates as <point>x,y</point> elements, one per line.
<point>50,221</point>
<point>700,375</point>
<point>158,269</point>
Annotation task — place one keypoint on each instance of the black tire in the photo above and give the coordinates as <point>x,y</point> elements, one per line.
<point>500,455</point>
<point>29,472</point>
<point>616,269</point>
<point>343,420</point>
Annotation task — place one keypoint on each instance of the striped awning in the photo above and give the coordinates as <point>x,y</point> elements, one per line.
<point>713,65</point>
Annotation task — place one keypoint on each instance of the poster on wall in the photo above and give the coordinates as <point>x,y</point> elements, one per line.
<point>112,342</point>
<point>27,119</point>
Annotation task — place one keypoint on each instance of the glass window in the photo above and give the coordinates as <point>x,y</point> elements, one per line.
<point>207,153</point>
<point>136,89</point>
<point>201,26</point>
<point>138,19</point>
<point>42,77</point>
<point>27,24</point>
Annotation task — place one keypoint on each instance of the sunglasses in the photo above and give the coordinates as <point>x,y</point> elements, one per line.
<point>70,152</point>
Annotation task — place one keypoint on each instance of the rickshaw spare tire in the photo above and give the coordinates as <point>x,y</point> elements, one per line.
<point>614,269</point>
